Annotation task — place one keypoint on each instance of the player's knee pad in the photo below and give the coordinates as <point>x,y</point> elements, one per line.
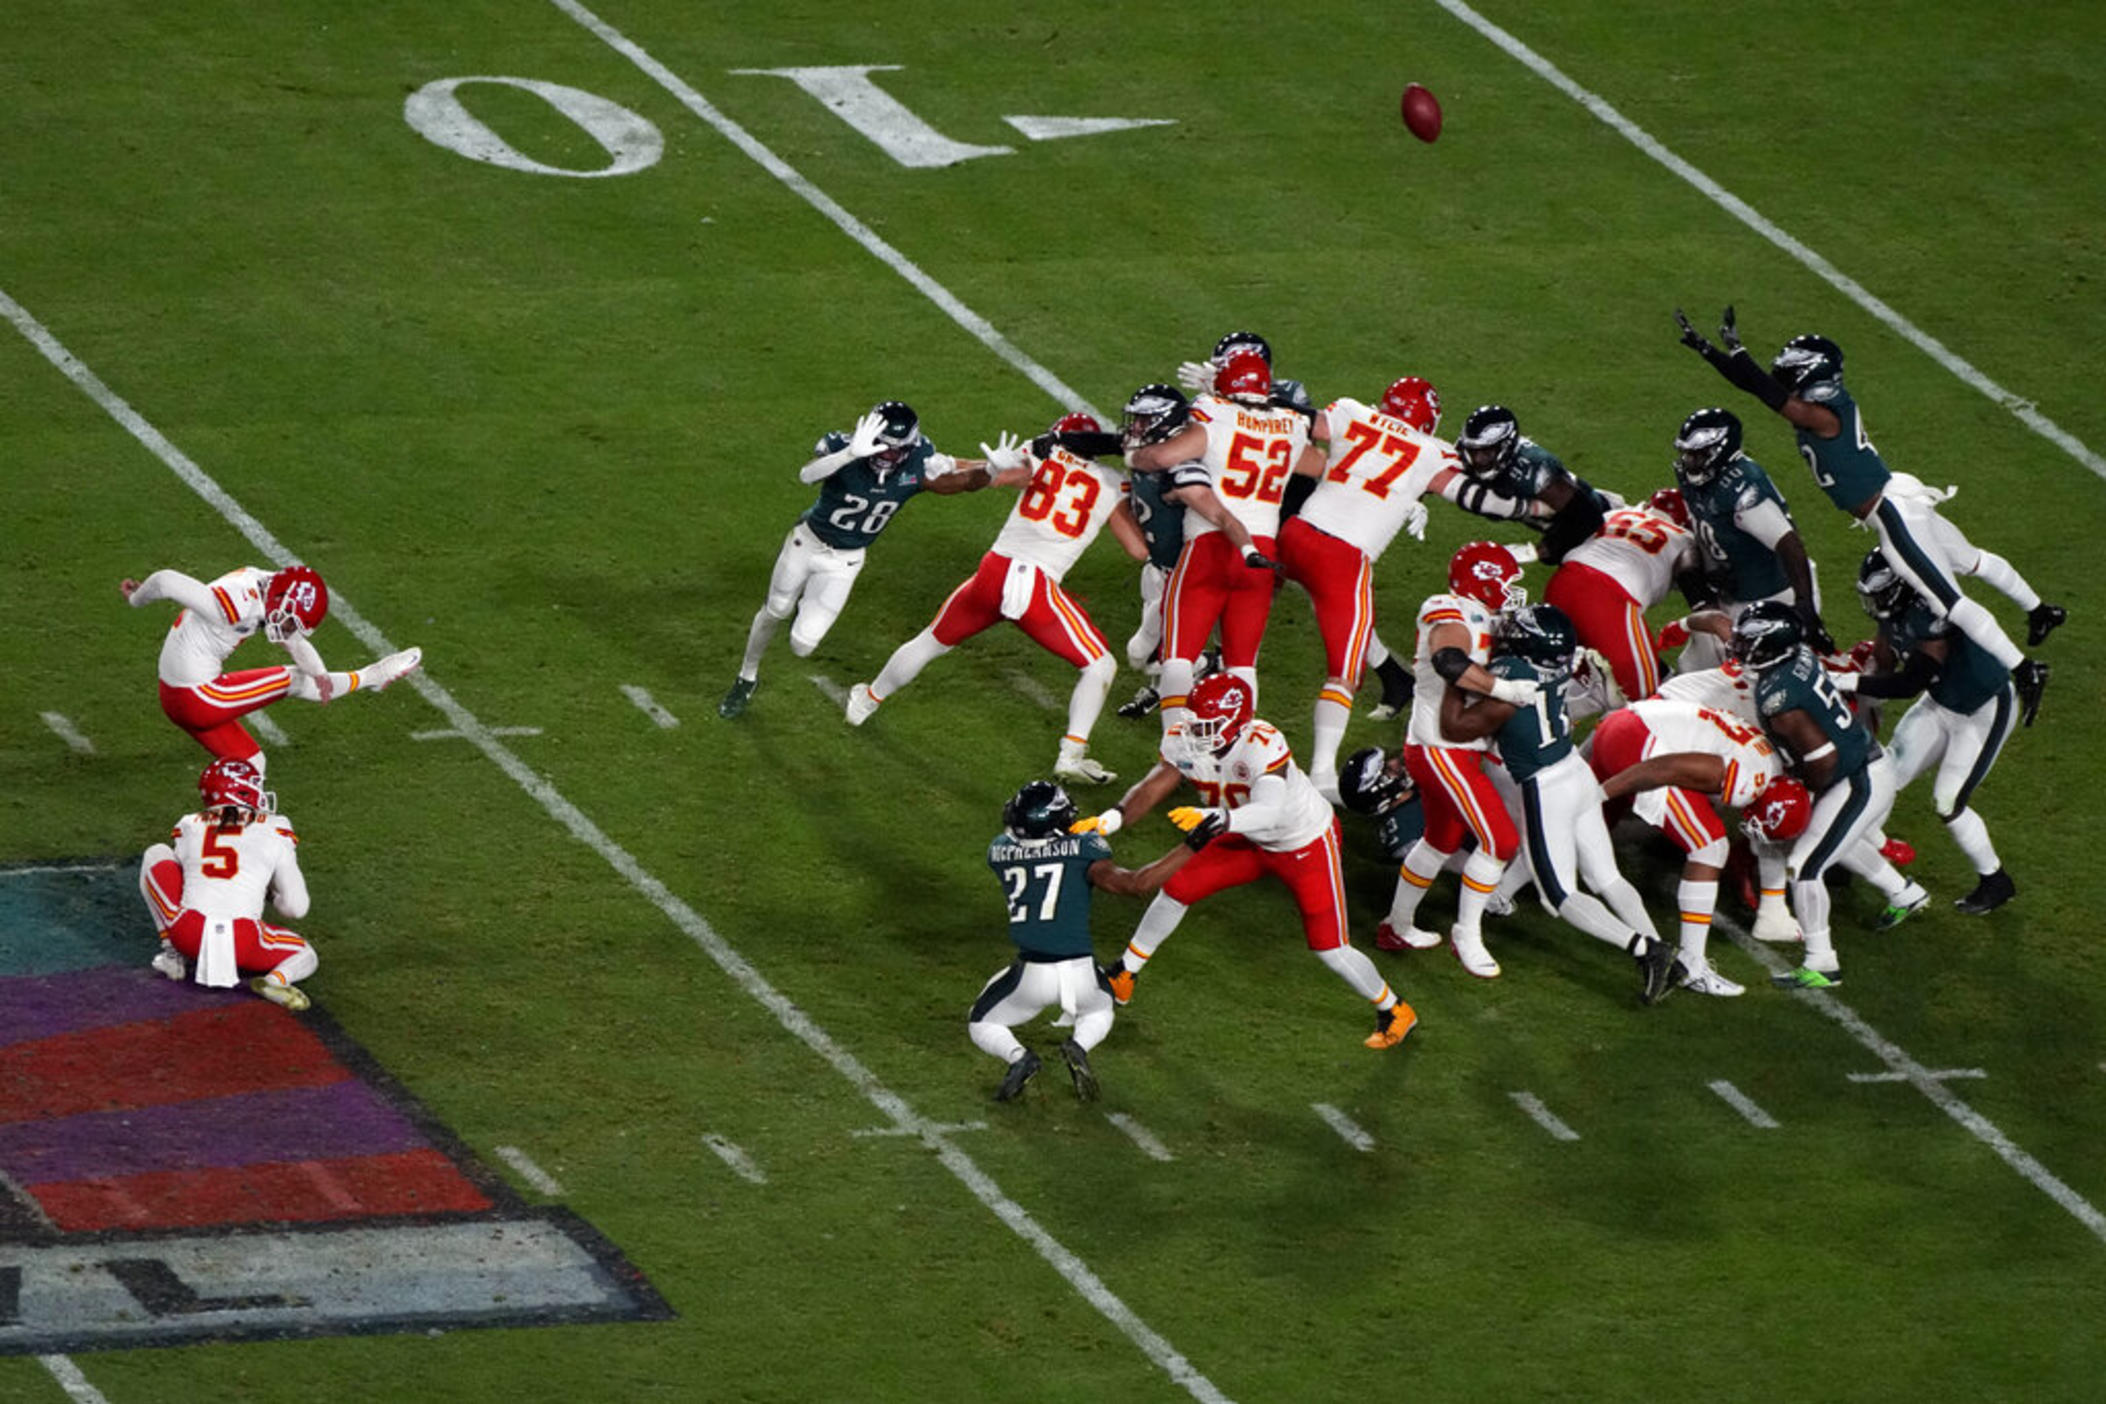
<point>801,645</point>
<point>1100,669</point>
<point>1712,854</point>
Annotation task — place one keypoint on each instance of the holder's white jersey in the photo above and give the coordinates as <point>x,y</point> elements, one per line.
<point>211,626</point>
<point>1378,468</point>
<point>1250,451</point>
<point>1639,549</point>
<point>1303,816</point>
<point>1427,686</point>
<point>1727,688</point>
<point>229,872</point>
<point>1060,511</point>
<point>1679,728</point>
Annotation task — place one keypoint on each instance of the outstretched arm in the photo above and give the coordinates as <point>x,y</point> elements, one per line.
<point>1687,770</point>
<point>1737,366</point>
<point>1145,882</point>
<point>170,585</point>
<point>1151,790</point>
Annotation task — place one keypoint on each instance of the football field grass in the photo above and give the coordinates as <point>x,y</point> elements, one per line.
<point>712,976</point>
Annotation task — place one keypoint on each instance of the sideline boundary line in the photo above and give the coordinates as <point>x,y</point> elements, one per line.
<point>983,1186</point>
<point>2020,407</point>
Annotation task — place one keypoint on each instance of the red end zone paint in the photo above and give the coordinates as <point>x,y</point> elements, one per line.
<point>308,1191</point>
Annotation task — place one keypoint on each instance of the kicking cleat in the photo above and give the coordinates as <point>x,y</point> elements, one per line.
<point>1020,1072</point>
<point>1989,894</point>
<point>1775,924</point>
<point>1119,980</point>
<point>1659,971</point>
<point>1078,1060</point>
<point>1498,905</point>
<point>734,703</point>
<point>861,703</point>
<point>1913,899</point>
<point>1081,770</point>
<point>1704,980</point>
<point>391,669</point>
<point>2043,619</point>
<point>1411,938</point>
<point>2030,678</point>
<point>1470,950</point>
<point>278,992</point>
<point>1391,1025</point>
<point>1808,978</point>
<point>1142,703</point>
<point>1899,852</point>
<point>169,961</point>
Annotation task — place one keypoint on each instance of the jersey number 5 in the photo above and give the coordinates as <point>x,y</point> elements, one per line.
<point>1257,467</point>
<point>218,861</point>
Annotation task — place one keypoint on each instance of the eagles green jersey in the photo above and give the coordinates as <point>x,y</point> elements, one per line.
<point>1801,684</point>
<point>1968,677</point>
<point>1162,523</point>
<point>1047,882</point>
<point>1748,569</point>
<point>1530,475</point>
<point>857,503</point>
<point>1535,736</point>
<point>1847,467</point>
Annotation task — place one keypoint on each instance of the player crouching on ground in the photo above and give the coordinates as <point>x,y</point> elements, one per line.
<point>1047,873</point>
<point>1276,823</point>
<point>206,893</point>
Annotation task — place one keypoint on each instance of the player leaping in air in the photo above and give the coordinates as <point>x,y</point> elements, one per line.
<point>287,606</point>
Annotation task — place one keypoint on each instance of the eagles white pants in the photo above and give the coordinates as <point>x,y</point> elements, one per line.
<point>1843,815</point>
<point>1962,745</point>
<point>818,575</point>
<point>1024,989</point>
<point>1141,647</point>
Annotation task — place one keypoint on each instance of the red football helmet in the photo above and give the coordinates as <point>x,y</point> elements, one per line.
<point>1414,401</point>
<point>1076,423</point>
<point>1487,572</point>
<point>1782,813</point>
<point>1221,706</point>
<point>1244,374</point>
<point>294,603</point>
<point>1668,503</point>
<point>234,782</point>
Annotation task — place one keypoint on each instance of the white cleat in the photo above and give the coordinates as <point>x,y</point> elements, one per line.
<point>1498,905</point>
<point>1081,770</point>
<point>169,961</point>
<point>391,669</point>
<point>1703,980</point>
<point>1470,950</point>
<point>279,992</point>
<point>861,703</point>
<point>1327,786</point>
<point>1775,924</point>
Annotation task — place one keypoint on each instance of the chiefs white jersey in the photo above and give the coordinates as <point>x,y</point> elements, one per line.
<point>1250,451</point>
<point>1228,779</point>
<point>1639,549</point>
<point>1060,511</point>
<point>1427,686</point>
<point>1378,468</point>
<point>1679,728</point>
<point>210,627</point>
<point>1727,688</point>
<point>227,872</point>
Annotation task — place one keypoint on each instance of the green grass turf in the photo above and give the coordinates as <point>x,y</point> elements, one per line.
<point>546,429</point>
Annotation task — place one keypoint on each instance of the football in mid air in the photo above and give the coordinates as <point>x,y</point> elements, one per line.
<point>1422,112</point>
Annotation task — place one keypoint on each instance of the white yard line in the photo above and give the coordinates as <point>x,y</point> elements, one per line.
<point>1036,691</point>
<point>72,1380</point>
<point>272,733</point>
<point>447,733</point>
<point>1940,1074</point>
<point>68,732</point>
<point>1348,1130</point>
<point>831,690</point>
<point>741,1163</point>
<point>1140,1136</point>
<point>920,1128</point>
<point>1925,1080</point>
<point>2021,407</point>
<point>1061,1259</point>
<point>1543,1116</point>
<point>533,1174</point>
<point>648,705</point>
<point>62,868</point>
<point>1744,1104</point>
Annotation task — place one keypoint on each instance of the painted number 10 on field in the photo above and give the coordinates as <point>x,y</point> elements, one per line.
<point>632,143</point>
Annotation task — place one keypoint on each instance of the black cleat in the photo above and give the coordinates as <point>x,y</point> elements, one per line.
<point>1078,1060</point>
<point>734,703</point>
<point>1142,703</point>
<point>2030,678</point>
<point>1989,894</point>
<point>2043,619</point>
<point>1396,689</point>
<point>1020,1072</point>
<point>1660,969</point>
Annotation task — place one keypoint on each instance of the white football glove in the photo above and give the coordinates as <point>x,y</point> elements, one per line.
<point>1196,375</point>
<point>1005,454</point>
<point>1519,692</point>
<point>868,437</point>
<point>1415,519</point>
